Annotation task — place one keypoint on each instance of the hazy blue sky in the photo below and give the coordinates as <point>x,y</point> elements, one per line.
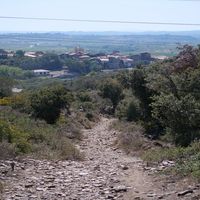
<point>185,11</point>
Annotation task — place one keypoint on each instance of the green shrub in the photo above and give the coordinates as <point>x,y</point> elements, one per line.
<point>158,154</point>
<point>12,135</point>
<point>21,102</point>
<point>121,109</point>
<point>138,84</point>
<point>181,116</point>
<point>11,72</point>
<point>133,111</point>
<point>48,102</point>
<point>5,131</point>
<point>84,97</point>
<point>112,90</point>
<point>153,129</point>
<point>23,146</point>
<point>129,109</point>
<point>87,106</point>
<point>6,86</point>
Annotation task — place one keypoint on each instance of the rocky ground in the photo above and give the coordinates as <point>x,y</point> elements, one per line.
<point>106,173</point>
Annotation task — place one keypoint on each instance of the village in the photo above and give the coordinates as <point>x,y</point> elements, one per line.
<point>108,62</point>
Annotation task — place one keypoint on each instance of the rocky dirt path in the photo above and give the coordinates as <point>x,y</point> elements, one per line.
<point>106,173</point>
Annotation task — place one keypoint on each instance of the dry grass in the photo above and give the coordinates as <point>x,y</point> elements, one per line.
<point>85,122</point>
<point>1,188</point>
<point>130,137</point>
<point>7,150</point>
<point>57,149</point>
<point>186,160</point>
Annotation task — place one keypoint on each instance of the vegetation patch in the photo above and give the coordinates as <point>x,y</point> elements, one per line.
<point>187,159</point>
<point>130,136</point>
<point>166,103</point>
<point>20,134</point>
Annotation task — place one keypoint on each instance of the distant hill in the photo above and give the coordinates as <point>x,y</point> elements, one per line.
<point>157,43</point>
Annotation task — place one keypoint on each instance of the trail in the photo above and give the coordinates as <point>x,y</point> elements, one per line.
<point>106,173</point>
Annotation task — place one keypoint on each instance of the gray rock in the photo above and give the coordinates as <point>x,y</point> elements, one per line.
<point>124,167</point>
<point>110,197</point>
<point>40,189</point>
<point>120,189</point>
<point>183,193</point>
<point>29,185</point>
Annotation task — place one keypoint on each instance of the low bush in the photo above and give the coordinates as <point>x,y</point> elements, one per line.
<point>84,97</point>
<point>187,159</point>
<point>20,134</point>
<point>129,107</point>
<point>83,121</point>
<point>130,137</point>
<point>64,149</point>
<point>70,128</point>
<point>160,154</point>
<point>13,135</point>
<point>56,149</point>
<point>7,150</point>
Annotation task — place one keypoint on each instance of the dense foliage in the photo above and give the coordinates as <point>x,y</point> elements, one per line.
<point>168,94</point>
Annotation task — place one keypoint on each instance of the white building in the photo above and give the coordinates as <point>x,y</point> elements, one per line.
<point>16,90</point>
<point>41,72</point>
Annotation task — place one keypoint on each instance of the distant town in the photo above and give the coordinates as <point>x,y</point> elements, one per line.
<point>78,56</point>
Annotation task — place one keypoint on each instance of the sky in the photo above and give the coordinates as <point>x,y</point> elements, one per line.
<point>181,11</point>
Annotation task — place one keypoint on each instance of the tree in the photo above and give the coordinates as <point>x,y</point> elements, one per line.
<point>19,53</point>
<point>112,90</point>
<point>133,110</point>
<point>6,85</point>
<point>187,58</point>
<point>139,87</point>
<point>3,54</point>
<point>47,103</point>
<point>49,61</point>
<point>180,116</point>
